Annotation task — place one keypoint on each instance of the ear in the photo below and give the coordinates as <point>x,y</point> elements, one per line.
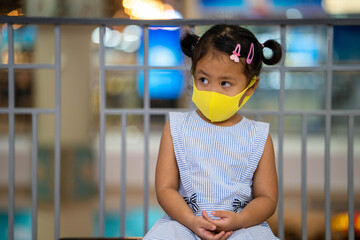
<point>253,87</point>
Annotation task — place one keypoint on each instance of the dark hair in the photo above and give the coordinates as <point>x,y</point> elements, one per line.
<point>224,38</point>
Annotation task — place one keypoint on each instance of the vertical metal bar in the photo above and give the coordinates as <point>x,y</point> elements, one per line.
<point>146,169</point>
<point>167,118</point>
<point>189,76</point>
<point>11,186</point>
<point>258,117</point>
<point>102,131</point>
<point>330,31</point>
<point>303,177</point>
<point>34,175</point>
<point>351,233</point>
<point>281,140</point>
<point>123,175</point>
<point>57,161</point>
<point>146,126</point>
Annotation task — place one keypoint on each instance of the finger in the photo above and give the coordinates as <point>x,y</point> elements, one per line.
<point>207,225</point>
<point>206,216</point>
<point>220,214</point>
<point>219,236</point>
<point>208,235</point>
<point>226,235</point>
<point>214,236</point>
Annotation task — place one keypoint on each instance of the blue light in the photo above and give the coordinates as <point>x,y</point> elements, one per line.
<point>22,224</point>
<point>163,84</point>
<point>24,36</point>
<point>291,3</point>
<point>223,3</point>
<point>164,51</point>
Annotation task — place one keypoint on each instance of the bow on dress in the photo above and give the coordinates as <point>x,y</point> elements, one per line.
<point>237,204</point>
<point>191,201</point>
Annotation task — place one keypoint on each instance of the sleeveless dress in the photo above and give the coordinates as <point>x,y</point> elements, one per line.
<point>216,166</point>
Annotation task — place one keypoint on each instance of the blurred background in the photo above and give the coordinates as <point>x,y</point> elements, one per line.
<point>306,46</point>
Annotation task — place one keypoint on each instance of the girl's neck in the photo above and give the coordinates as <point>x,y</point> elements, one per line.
<point>235,119</point>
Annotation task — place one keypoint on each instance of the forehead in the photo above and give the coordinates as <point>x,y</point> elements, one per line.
<point>219,63</point>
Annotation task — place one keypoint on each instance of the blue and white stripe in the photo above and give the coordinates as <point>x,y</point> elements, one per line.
<point>217,163</point>
<point>216,166</point>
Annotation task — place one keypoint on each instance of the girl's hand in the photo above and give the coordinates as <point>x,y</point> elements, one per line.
<point>206,230</point>
<point>229,221</point>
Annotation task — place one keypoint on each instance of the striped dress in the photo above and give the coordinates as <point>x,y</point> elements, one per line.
<point>216,166</point>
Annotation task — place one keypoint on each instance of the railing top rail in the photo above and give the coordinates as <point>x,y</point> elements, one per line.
<point>177,22</point>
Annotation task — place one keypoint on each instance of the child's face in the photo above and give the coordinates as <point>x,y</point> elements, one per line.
<point>216,72</point>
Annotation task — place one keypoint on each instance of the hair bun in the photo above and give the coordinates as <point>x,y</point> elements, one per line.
<point>277,52</point>
<point>188,43</point>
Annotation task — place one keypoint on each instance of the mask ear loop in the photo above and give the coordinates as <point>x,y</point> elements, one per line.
<point>250,55</point>
<point>251,83</point>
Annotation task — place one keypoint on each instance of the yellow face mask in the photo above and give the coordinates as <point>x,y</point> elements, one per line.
<point>218,107</point>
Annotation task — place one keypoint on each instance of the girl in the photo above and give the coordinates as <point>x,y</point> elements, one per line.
<point>215,176</point>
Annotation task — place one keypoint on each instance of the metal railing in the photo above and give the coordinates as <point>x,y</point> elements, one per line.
<point>147,111</point>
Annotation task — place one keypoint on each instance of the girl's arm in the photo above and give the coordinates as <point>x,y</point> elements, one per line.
<point>265,192</point>
<point>167,181</point>
<point>265,189</point>
<point>166,186</point>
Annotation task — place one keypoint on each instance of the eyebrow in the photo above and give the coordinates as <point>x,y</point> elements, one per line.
<point>225,77</point>
<point>202,72</point>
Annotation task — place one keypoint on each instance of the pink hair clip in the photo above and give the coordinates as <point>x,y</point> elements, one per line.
<point>251,54</point>
<point>236,53</point>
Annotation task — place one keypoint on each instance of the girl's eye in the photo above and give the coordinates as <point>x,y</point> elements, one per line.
<point>225,84</point>
<point>204,80</point>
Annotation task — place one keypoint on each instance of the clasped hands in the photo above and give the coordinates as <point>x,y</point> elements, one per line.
<point>218,229</point>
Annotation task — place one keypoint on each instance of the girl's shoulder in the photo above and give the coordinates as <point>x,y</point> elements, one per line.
<point>256,126</point>
<point>179,114</point>
<point>179,117</point>
<point>256,123</point>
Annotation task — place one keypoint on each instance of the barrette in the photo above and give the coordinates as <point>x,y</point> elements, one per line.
<point>236,53</point>
<point>251,54</point>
